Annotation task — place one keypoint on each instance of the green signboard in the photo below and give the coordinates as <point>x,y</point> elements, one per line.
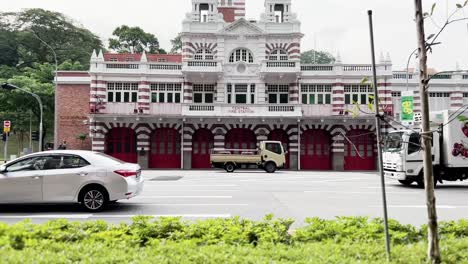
<point>407,106</point>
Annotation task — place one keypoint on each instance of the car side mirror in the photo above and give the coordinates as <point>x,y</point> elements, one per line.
<point>3,169</point>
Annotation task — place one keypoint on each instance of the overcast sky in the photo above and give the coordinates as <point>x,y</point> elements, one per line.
<point>331,25</point>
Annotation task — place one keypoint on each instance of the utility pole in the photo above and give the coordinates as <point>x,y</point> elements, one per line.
<point>379,135</point>
<point>426,138</point>
<point>5,150</point>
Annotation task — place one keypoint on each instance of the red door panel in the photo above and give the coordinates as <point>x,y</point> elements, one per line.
<point>121,143</point>
<point>316,150</point>
<point>281,135</point>
<point>359,155</point>
<point>202,144</point>
<point>240,138</point>
<point>165,149</point>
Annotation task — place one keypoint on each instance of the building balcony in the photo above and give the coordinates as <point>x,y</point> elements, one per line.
<point>197,71</point>
<point>317,110</point>
<point>281,71</point>
<point>132,68</point>
<point>123,109</point>
<point>237,110</point>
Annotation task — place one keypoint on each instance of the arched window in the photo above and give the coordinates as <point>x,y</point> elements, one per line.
<point>204,54</point>
<point>278,55</point>
<point>241,55</point>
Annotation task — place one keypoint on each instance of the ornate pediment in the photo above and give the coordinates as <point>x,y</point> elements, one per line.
<point>242,27</point>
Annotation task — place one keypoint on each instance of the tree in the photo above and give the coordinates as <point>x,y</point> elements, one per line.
<point>176,44</point>
<point>69,40</point>
<point>425,45</point>
<point>82,137</point>
<point>317,57</point>
<point>134,40</point>
<point>8,47</point>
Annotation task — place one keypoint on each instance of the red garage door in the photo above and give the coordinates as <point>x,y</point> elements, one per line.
<point>316,150</point>
<point>121,143</point>
<point>202,144</point>
<point>360,154</point>
<point>240,138</point>
<point>281,135</point>
<point>165,149</point>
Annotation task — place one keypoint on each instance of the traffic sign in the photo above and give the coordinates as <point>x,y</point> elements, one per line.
<point>6,123</point>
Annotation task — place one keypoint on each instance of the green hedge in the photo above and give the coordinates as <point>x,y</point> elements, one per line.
<point>234,240</point>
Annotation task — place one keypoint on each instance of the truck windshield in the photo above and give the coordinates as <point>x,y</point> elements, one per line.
<point>394,142</point>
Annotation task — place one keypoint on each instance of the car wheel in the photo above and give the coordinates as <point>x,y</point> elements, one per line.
<point>406,182</point>
<point>94,199</point>
<point>270,167</point>
<point>230,167</point>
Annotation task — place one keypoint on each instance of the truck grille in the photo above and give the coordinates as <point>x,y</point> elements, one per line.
<point>390,166</point>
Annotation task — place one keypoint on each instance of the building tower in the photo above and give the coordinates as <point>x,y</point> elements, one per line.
<point>278,11</point>
<point>232,10</point>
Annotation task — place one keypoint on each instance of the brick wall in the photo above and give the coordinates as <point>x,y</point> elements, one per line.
<point>72,110</point>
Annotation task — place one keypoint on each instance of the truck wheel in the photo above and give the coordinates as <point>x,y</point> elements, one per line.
<point>406,182</point>
<point>270,167</point>
<point>230,167</point>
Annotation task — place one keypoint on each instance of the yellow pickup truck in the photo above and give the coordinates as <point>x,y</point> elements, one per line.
<point>270,156</point>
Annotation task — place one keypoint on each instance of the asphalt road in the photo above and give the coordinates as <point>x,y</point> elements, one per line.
<point>253,194</point>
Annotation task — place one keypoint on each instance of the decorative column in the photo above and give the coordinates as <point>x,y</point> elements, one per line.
<point>338,102</point>
<point>338,148</point>
<point>143,133</point>
<point>187,136</point>
<point>294,93</point>
<point>188,92</point>
<point>294,146</point>
<point>456,97</point>
<point>144,97</point>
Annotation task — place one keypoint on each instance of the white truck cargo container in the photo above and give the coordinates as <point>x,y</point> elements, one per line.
<point>403,157</point>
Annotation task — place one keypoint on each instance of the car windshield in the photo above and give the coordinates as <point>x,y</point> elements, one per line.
<point>394,142</point>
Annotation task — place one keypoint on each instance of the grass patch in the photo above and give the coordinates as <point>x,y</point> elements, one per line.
<point>235,240</point>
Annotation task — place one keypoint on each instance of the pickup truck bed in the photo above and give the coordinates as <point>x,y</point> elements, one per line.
<point>221,159</point>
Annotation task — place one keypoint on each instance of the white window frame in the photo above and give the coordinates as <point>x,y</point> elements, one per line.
<point>204,54</point>
<point>278,91</point>
<point>241,55</point>
<point>204,90</point>
<point>278,55</point>
<point>161,92</point>
<point>121,91</point>
<point>357,92</point>
<point>316,94</point>
<point>249,90</point>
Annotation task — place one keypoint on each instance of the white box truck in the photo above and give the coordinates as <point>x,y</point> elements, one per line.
<point>403,157</point>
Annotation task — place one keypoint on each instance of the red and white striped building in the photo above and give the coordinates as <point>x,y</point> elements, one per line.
<point>237,82</point>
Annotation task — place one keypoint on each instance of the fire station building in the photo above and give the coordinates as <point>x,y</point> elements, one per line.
<point>236,83</point>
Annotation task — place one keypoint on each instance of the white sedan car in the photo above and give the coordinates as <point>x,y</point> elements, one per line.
<point>90,178</point>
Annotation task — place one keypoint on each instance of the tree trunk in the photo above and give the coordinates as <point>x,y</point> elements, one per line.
<point>433,237</point>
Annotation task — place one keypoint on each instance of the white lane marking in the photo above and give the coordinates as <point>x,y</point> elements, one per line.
<point>187,190</point>
<point>346,192</point>
<point>424,206</point>
<point>274,179</point>
<point>167,215</point>
<point>68,216</point>
<point>186,196</point>
<point>380,187</point>
<point>190,185</point>
<point>174,204</point>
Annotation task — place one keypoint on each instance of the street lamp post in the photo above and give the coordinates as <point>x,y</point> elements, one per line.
<point>55,87</point>
<point>9,86</point>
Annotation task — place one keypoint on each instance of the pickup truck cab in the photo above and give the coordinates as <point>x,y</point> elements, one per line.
<point>270,156</point>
